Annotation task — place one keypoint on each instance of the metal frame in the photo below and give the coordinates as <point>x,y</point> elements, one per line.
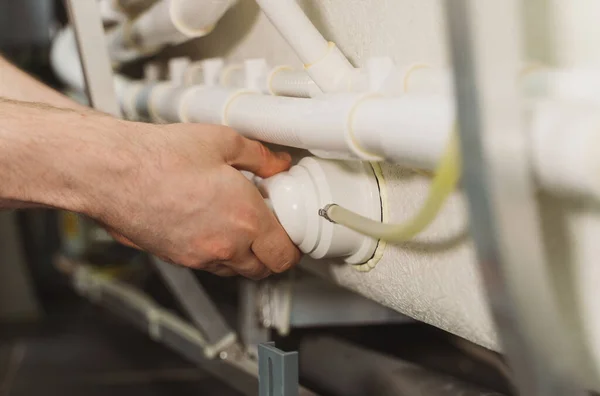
<point>197,304</point>
<point>304,300</point>
<point>95,61</point>
<point>502,200</point>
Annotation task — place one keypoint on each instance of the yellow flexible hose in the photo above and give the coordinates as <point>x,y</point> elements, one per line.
<point>444,183</point>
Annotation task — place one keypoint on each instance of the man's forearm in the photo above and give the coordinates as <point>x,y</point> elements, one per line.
<point>18,85</point>
<point>57,157</point>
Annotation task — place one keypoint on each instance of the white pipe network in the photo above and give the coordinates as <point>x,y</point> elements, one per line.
<point>410,130</point>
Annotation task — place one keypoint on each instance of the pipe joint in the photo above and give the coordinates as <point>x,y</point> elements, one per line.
<point>209,104</point>
<point>332,72</point>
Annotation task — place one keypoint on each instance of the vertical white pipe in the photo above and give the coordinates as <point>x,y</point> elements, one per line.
<point>322,60</point>
<point>289,19</point>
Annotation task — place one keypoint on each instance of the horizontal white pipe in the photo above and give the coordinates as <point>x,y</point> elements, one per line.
<point>292,83</point>
<point>166,22</point>
<point>410,130</point>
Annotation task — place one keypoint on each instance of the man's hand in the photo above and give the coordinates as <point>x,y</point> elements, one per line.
<point>174,191</point>
<point>186,202</point>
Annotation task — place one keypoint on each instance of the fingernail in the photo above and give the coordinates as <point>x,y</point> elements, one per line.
<point>282,155</point>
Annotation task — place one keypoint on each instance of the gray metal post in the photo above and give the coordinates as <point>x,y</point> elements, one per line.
<point>277,371</point>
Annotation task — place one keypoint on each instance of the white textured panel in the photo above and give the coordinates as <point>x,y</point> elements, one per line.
<point>434,278</point>
<point>406,30</point>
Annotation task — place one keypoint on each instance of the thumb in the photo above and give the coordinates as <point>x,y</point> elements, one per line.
<point>252,156</point>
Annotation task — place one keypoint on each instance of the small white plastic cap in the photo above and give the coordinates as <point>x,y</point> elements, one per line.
<point>177,69</point>
<point>296,197</point>
<point>378,71</point>
<point>255,71</point>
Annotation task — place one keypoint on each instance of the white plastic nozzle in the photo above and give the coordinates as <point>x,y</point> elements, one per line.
<point>151,71</point>
<point>212,69</point>
<point>378,71</point>
<point>297,195</point>
<point>177,69</point>
<point>256,71</point>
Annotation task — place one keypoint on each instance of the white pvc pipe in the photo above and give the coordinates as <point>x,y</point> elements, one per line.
<point>303,123</point>
<point>166,22</point>
<point>292,83</point>
<point>289,19</point>
<point>65,62</point>
<point>411,130</point>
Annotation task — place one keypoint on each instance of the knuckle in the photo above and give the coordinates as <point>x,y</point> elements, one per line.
<point>223,249</point>
<point>234,140</point>
<point>257,272</point>
<point>248,220</point>
<point>287,258</point>
<point>262,150</point>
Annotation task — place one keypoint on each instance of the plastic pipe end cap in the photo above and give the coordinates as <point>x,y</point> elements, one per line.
<point>285,193</point>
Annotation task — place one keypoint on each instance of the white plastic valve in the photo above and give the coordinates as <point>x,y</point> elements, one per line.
<point>297,195</point>
<point>255,71</point>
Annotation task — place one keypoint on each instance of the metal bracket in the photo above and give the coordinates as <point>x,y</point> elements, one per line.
<point>198,305</point>
<point>277,371</point>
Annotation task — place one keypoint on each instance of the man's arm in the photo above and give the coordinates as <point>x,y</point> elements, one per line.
<point>172,190</point>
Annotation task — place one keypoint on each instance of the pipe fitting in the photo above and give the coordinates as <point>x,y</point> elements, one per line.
<point>206,72</point>
<point>208,104</point>
<point>564,147</point>
<point>164,104</point>
<point>332,72</point>
<point>296,196</point>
